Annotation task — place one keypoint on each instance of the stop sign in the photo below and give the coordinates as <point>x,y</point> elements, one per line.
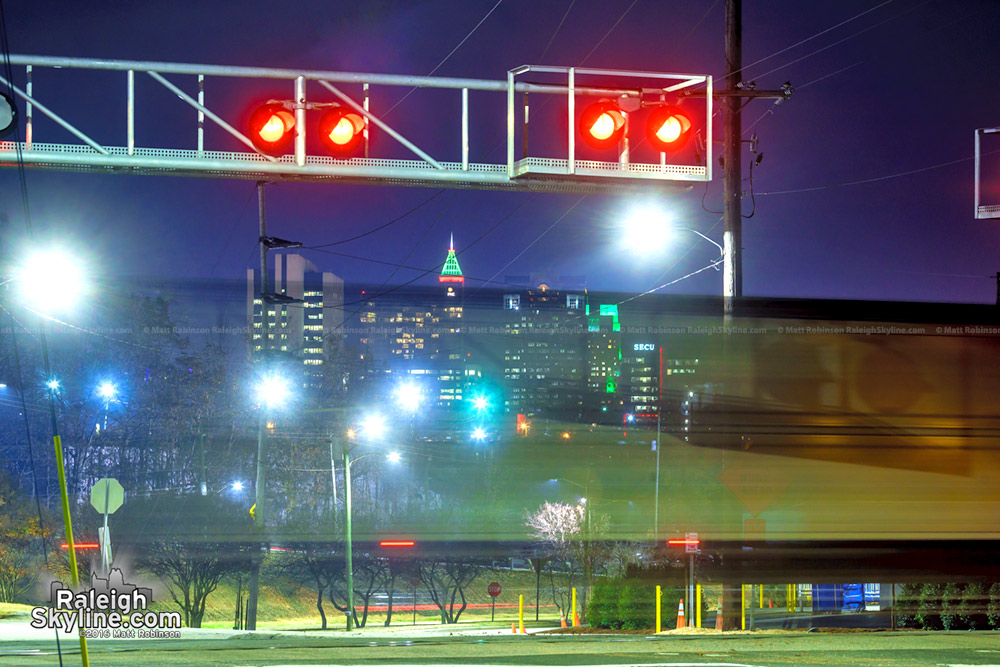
<point>493,589</point>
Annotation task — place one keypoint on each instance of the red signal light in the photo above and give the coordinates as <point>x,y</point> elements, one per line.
<point>272,128</point>
<point>668,128</point>
<point>602,124</point>
<point>684,542</point>
<point>397,543</point>
<point>341,131</point>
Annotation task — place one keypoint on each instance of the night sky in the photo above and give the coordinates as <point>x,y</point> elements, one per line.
<point>898,89</point>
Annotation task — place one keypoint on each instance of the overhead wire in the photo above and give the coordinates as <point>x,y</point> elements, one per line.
<point>608,33</point>
<point>445,59</point>
<point>545,51</point>
<point>25,203</point>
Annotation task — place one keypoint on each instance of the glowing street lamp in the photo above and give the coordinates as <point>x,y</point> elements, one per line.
<point>479,434</point>
<point>53,384</point>
<point>409,396</point>
<point>237,486</point>
<point>372,426</point>
<point>393,457</point>
<point>648,229</point>
<point>480,403</point>
<point>273,391</point>
<point>107,391</point>
<point>50,281</point>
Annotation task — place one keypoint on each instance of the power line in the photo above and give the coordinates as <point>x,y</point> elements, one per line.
<point>445,59</point>
<point>608,33</point>
<point>380,227</point>
<point>818,34</point>
<point>874,179</point>
<point>541,58</point>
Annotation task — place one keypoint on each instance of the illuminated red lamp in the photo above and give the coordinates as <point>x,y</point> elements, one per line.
<point>602,124</point>
<point>341,131</point>
<point>83,545</point>
<point>668,128</point>
<point>397,543</point>
<point>272,128</point>
<point>683,542</point>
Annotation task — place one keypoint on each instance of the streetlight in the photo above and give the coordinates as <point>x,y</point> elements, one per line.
<point>49,282</point>
<point>480,403</point>
<point>271,392</point>
<point>107,391</point>
<point>479,434</point>
<point>409,397</point>
<point>648,229</point>
<point>236,486</point>
<point>372,429</point>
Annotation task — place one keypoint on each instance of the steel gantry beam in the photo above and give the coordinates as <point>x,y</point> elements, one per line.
<point>308,89</point>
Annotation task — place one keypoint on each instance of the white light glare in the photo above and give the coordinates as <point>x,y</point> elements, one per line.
<point>237,486</point>
<point>107,390</point>
<point>647,229</point>
<point>50,281</point>
<point>373,426</point>
<point>479,434</point>
<point>273,391</point>
<point>480,402</point>
<point>53,384</point>
<point>392,457</point>
<point>409,396</point>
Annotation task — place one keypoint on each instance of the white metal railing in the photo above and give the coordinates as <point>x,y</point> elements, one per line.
<point>527,173</point>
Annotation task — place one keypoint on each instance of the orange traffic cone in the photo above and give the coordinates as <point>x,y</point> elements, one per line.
<point>513,628</point>
<point>770,603</point>
<point>680,615</point>
<point>562,619</point>
<point>576,618</point>
<point>718,616</point>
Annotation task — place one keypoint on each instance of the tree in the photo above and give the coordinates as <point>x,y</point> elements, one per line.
<point>189,542</point>
<point>446,579</point>
<point>21,536</point>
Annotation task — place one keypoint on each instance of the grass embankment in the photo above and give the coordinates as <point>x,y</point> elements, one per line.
<point>286,605</point>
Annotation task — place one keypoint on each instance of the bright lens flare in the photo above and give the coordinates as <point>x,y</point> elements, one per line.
<point>50,281</point>
<point>647,230</point>
<point>342,132</point>
<point>106,390</point>
<point>409,397</point>
<point>273,391</point>
<point>393,457</point>
<point>373,426</point>
<point>603,127</point>
<point>479,434</point>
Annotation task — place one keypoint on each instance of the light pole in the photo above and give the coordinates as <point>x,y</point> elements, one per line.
<point>372,428</point>
<point>47,282</point>
<point>272,392</point>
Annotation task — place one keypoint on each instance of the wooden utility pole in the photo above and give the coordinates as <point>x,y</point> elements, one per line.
<point>732,186</point>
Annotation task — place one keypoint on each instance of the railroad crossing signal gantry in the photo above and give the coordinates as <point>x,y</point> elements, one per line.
<point>321,128</point>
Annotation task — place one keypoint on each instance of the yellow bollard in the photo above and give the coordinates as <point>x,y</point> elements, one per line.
<point>697,605</point>
<point>520,612</point>
<point>760,594</point>
<point>659,621</point>
<point>572,616</point>
<point>743,606</point>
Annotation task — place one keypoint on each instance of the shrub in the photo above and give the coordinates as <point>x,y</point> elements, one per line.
<point>950,597</point>
<point>929,606</point>
<point>993,607</point>
<point>635,607</point>
<point>906,606</point>
<point>602,611</point>
<point>972,608</point>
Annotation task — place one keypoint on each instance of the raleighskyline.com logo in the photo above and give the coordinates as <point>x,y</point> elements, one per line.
<point>110,609</point>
